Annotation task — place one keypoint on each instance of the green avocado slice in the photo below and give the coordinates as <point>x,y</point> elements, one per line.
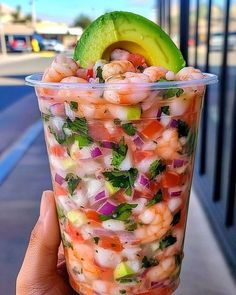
<point>129,31</point>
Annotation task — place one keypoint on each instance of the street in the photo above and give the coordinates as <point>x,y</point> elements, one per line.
<point>23,183</point>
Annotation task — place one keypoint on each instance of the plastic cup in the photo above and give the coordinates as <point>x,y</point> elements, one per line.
<point>122,176</point>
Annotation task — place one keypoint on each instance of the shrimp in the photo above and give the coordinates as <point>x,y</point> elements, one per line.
<point>87,94</point>
<point>168,145</point>
<point>85,255</point>
<point>60,68</point>
<point>120,54</point>
<point>157,221</point>
<point>155,73</point>
<point>189,73</point>
<point>104,287</point>
<point>163,270</point>
<point>129,93</point>
<point>117,67</point>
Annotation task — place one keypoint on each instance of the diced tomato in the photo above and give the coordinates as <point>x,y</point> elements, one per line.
<point>56,150</point>
<point>170,179</point>
<point>89,74</point>
<point>107,274</point>
<point>141,155</point>
<point>152,129</point>
<point>112,243</point>
<point>136,59</point>
<point>120,196</point>
<point>74,233</point>
<point>59,190</point>
<point>93,215</point>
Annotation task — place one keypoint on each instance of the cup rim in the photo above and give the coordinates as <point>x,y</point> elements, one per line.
<point>35,80</point>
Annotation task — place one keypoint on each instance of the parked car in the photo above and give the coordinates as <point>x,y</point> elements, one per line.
<point>18,44</point>
<point>53,45</point>
<point>217,41</point>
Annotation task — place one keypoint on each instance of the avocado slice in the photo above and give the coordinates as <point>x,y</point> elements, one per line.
<point>122,270</point>
<point>129,31</point>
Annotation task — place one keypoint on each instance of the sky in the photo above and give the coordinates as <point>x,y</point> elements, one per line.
<point>67,10</point>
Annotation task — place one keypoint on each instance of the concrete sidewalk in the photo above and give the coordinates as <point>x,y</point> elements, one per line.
<point>16,57</point>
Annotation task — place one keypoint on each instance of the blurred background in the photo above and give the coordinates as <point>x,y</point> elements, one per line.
<point>31,33</point>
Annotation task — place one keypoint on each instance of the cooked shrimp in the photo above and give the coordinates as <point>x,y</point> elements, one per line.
<point>89,94</point>
<point>189,73</point>
<point>163,270</point>
<point>60,68</point>
<point>155,73</point>
<point>85,254</point>
<point>117,67</point>
<point>168,145</point>
<point>156,220</point>
<point>128,94</point>
<point>119,54</point>
<point>105,287</point>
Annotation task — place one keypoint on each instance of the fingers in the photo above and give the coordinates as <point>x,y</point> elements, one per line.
<point>41,256</point>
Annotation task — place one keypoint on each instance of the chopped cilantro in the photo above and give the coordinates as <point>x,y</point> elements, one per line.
<point>123,291</point>
<point>149,262</point>
<point>79,125</point>
<point>167,241</point>
<point>141,68</point>
<point>74,105</point>
<point>156,199</point>
<point>127,280</point>
<point>122,212</point>
<point>129,128</point>
<point>176,218</point>
<point>60,213</point>
<point>191,142</point>
<point>182,128</point>
<point>96,240</point>
<point>45,117</point>
<point>72,181</point>
<point>66,243</point>
<point>117,121</point>
<point>131,225</point>
<point>162,79</point>
<point>118,153</point>
<point>156,168</point>
<point>171,92</point>
<point>165,110</point>
<point>122,179</point>
<point>59,136</point>
<point>99,74</point>
<point>83,140</point>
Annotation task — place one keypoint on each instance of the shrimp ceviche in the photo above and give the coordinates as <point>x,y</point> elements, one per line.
<point>121,155</point>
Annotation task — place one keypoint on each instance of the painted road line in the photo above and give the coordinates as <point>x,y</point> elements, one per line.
<point>11,157</point>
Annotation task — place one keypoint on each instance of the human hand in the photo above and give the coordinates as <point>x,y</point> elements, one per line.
<point>43,270</point>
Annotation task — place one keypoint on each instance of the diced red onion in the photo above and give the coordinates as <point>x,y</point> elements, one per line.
<point>108,144</point>
<point>177,163</point>
<point>157,285</point>
<point>57,109</point>
<point>103,232</point>
<point>159,113</point>
<point>70,114</point>
<point>96,152</point>
<point>126,237</point>
<point>138,141</point>
<point>107,208</point>
<point>175,191</point>
<point>173,123</point>
<point>97,204</point>
<point>143,180</point>
<point>176,194</point>
<point>100,196</point>
<point>59,179</point>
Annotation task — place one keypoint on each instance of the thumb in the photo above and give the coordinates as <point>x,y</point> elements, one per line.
<point>41,256</point>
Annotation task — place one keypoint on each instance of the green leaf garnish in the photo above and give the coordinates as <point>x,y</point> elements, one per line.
<point>131,225</point>
<point>45,117</point>
<point>83,140</point>
<point>191,143</point>
<point>117,121</point>
<point>74,105</point>
<point>79,125</point>
<point>183,128</point>
<point>171,92</point>
<point>119,153</point>
<point>141,68</point>
<point>156,199</point>
<point>129,129</point>
<point>176,218</point>
<point>149,262</point>
<point>96,240</point>
<point>127,280</point>
<point>122,179</point>
<point>122,291</point>
<point>122,212</point>
<point>99,75</point>
<point>59,136</point>
<point>72,182</point>
<point>66,243</point>
<point>167,241</point>
<point>165,110</point>
<point>60,212</point>
<point>156,168</point>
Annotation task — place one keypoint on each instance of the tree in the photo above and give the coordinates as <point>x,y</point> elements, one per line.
<point>17,14</point>
<point>82,21</point>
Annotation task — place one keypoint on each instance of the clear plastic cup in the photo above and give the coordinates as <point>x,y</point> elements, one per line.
<point>121,176</point>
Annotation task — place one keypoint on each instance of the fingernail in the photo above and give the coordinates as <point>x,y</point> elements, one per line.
<point>43,205</point>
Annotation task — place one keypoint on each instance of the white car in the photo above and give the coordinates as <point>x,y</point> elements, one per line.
<point>217,41</point>
<point>53,45</point>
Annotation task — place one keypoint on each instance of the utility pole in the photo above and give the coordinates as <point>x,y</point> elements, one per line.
<point>3,40</point>
<point>33,13</point>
